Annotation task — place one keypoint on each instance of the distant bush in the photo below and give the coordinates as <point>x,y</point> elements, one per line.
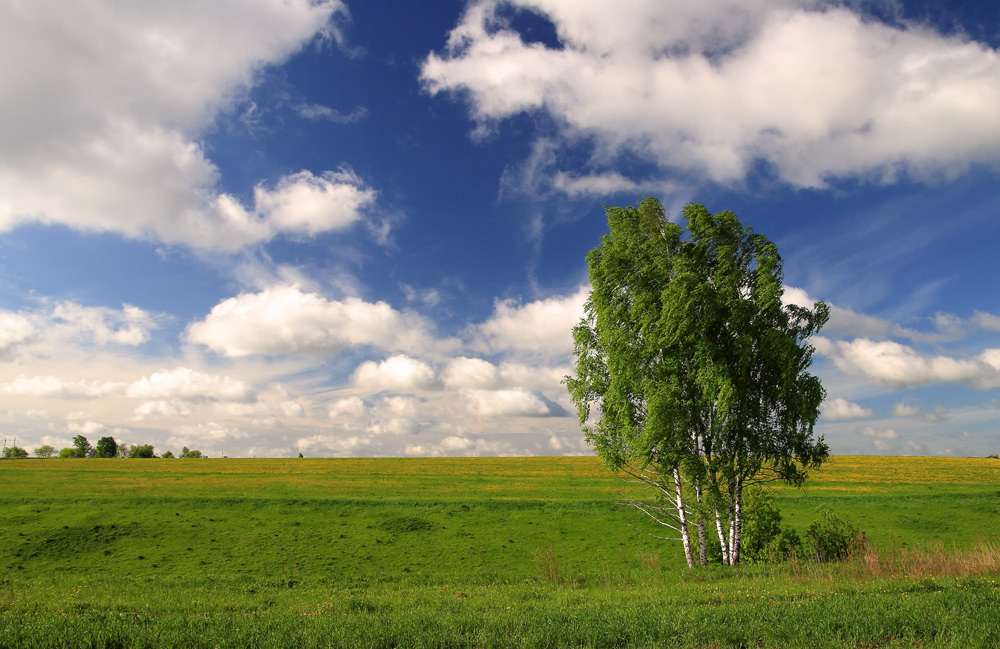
<point>69,451</point>
<point>45,451</point>
<point>141,451</point>
<point>14,453</point>
<point>167,454</point>
<point>187,452</point>
<point>833,538</point>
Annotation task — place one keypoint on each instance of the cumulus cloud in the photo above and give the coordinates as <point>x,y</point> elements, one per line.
<point>101,119</point>
<point>57,388</point>
<point>897,365</point>
<point>541,327</point>
<point>516,402</point>
<point>129,326</point>
<point>839,408</point>
<point>398,374</point>
<point>288,320</point>
<point>692,87</point>
<point>465,372</point>
<point>845,321</point>
<point>15,330</point>
<point>353,407</point>
<point>902,409</point>
<point>190,385</point>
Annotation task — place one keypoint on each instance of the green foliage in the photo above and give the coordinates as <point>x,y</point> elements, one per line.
<point>141,451</point>
<point>45,451</point>
<point>82,446</point>
<point>765,540</point>
<point>167,455</point>
<point>14,453</point>
<point>186,452</point>
<point>68,452</point>
<point>690,359</point>
<point>106,447</point>
<point>832,537</point>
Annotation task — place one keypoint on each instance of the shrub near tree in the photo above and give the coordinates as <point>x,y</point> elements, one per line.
<point>694,370</point>
<point>14,453</point>
<point>187,452</point>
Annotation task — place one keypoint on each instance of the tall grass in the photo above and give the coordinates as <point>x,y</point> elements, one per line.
<point>928,562</point>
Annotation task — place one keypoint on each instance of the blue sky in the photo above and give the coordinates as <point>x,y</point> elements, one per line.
<point>351,229</point>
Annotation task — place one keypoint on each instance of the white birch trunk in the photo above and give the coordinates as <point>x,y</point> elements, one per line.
<point>737,530</point>
<point>732,520</point>
<point>682,515</point>
<point>702,547</point>
<point>723,545</point>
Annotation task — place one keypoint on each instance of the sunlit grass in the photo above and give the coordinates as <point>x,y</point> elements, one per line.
<point>496,552</point>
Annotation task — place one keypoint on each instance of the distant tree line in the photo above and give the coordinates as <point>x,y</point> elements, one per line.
<point>106,447</point>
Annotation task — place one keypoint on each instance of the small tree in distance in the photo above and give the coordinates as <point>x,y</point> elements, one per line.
<point>83,447</point>
<point>141,451</point>
<point>106,447</point>
<point>167,455</point>
<point>45,451</point>
<point>14,453</point>
<point>187,452</point>
<point>694,369</point>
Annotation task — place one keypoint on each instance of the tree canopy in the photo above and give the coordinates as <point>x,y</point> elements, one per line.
<point>691,373</point>
<point>106,447</point>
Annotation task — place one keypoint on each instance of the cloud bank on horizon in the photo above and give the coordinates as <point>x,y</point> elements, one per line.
<point>280,226</point>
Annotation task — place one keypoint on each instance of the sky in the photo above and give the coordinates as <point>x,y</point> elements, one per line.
<point>340,228</point>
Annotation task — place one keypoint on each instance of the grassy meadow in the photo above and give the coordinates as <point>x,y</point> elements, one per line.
<point>477,552</point>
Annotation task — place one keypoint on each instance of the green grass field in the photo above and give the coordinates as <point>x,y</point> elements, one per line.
<point>528,552</point>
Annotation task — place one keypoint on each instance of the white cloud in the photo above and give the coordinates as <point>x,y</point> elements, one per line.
<point>875,433</point>
<point>845,321</point>
<point>57,388</point>
<point>541,327</point>
<point>516,402</point>
<point>306,204</point>
<point>839,408</point>
<point>898,365</point>
<point>130,326</point>
<point>986,321</point>
<point>692,86</point>
<point>190,385</point>
<point>352,407</point>
<point>456,443</point>
<point>398,373</point>
<point>319,111</point>
<point>287,320</point>
<point>15,330</point>
<point>464,372</point>
<point>101,119</point>
<point>160,408</point>
<point>902,409</point>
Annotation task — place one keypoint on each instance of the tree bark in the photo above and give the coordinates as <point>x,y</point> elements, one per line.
<point>702,547</point>
<point>682,515</point>
<point>723,545</point>
<point>737,530</point>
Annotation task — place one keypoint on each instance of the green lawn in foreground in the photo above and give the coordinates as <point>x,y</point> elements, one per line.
<point>456,552</point>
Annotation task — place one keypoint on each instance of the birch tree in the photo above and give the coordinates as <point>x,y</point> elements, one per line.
<point>691,375</point>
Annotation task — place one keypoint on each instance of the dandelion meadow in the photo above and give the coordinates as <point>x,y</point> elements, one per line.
<point>477,552</point>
